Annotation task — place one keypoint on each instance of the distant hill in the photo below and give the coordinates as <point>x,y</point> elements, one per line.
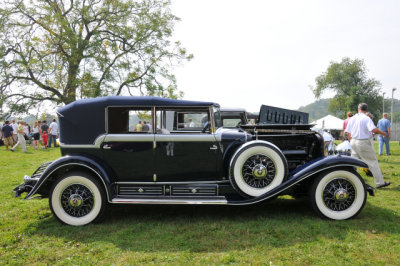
<point>319,109</point>
<point>316,109</point>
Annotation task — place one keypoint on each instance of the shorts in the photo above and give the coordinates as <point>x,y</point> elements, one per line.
<point>8,141</point>
<point>36,136</point>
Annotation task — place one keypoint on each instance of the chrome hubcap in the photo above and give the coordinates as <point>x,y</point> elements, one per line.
<point>75,200</point>
<point>339,194</point>
<point>260,171</point>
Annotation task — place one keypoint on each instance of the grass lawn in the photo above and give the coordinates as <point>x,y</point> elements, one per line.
<point>284,231</point>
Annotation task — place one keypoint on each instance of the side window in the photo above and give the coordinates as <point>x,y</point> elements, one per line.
<point>181,120</point>
<point>126,120</point>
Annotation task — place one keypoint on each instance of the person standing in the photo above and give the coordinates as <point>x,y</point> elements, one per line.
<point>21,139</point>
<point>7,134</point>
<point>36,134</point>
<point>15,131</point>
<point>385,126</point>
<point>53,132</point>
<point>345,122</point>
<point>360,129</point>
<point>43,127</point>
<point>139,127</point>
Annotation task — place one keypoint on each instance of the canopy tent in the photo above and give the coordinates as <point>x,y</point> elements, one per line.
<point>328,122</point>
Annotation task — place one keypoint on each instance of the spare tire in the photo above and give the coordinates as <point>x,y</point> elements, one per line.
<point>257,168</point>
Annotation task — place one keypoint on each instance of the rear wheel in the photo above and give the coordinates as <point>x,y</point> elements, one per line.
<point>77,199</point>
<point>257,169</point>
<point>338,195</point>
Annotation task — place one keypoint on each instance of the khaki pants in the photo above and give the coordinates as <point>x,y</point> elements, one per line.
<point>363,150</point>
<point>21,140</point>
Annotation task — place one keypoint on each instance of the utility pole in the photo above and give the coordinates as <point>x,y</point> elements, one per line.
<point>383,103</point>
<point>391,116</point>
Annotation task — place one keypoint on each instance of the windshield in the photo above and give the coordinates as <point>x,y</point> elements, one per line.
<point>217,118</point>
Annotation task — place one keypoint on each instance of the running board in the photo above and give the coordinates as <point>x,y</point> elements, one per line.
<point>170,201</point>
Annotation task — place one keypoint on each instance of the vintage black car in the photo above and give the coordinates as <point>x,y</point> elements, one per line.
<point>149,150</point>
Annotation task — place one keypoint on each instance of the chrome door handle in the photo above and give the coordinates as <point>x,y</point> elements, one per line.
<point>106,147</point>
<point>213,147</point>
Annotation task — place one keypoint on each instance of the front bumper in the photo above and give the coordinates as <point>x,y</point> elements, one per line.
<point>27,186</point>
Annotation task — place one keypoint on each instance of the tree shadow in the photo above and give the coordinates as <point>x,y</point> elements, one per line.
<point>282,222</point>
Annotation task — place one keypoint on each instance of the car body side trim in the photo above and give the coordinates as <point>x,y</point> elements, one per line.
<point>96,145</point>
<point>170,201</point>
<point>145,137</point>
<point>185,137</point>
<point>172,183</point>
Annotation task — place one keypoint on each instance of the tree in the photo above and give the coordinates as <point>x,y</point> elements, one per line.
<point>348,79</point>
<point>63,50</point>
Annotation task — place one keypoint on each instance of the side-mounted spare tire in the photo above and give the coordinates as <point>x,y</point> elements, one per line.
<point>256,168</point>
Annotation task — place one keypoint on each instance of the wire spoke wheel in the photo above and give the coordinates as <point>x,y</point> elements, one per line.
<point>77,200</point>
<point>339,194</point>
<point>258,171</point>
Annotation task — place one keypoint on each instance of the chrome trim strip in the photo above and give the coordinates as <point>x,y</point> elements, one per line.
<point>172,183</point>
<point>59,114</point>
<point>105,186</point>
<point>185,137</point>
<point>95,145</point>
<point>170,201</point>
<point>145,137</point>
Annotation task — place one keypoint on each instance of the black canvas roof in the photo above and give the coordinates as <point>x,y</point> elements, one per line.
<point>82,121</point>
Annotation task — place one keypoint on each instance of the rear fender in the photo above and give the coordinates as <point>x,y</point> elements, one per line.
<point>307,171</point>
<point>89,164</point>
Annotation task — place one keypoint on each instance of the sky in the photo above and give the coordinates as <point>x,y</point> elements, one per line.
<point>253,52</point>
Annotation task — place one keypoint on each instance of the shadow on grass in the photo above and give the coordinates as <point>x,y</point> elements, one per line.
<point>279,223</point>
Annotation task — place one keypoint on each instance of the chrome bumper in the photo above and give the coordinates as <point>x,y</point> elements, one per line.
<point>27,186</point>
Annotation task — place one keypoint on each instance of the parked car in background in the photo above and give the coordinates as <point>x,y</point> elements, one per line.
<point>149,150</point>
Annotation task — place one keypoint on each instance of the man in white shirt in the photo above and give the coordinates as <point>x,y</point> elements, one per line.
<point>360,128</point>
<point>53,132</point>
<point>15,131</point>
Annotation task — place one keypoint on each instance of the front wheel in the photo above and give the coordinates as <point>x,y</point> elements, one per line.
<point>338,194</point>
<point>77,199</point>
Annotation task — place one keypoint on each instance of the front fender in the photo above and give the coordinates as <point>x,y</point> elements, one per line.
<point>304,172</point>
<point>73,160</point>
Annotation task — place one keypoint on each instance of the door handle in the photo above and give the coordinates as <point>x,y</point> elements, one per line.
<point>106,147</point>
<point>213,147</point>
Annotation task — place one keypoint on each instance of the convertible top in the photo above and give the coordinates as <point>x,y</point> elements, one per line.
<point>82,121</point>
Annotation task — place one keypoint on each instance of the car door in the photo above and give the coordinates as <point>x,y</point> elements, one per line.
<point>183,152</point>
<point>128,146</point>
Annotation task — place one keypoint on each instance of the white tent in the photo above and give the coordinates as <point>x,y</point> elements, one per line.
<point>328,122</point>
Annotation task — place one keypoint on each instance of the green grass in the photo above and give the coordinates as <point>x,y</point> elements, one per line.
<point>284,231</point>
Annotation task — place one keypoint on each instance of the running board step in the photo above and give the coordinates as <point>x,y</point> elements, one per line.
<point>218,201</point>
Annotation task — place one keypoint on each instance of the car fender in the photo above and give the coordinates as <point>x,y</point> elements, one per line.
<point>73,160</point>
<point>307,171</point>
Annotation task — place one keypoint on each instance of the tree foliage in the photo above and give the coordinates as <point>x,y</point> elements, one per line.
<point>63,50</point>
<point>349,81</point>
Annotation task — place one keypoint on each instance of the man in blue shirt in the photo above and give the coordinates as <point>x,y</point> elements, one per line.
<point>6,134</point>
<point>384,125</point>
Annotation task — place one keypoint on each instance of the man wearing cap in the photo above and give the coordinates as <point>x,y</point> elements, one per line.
<point>360,129</point>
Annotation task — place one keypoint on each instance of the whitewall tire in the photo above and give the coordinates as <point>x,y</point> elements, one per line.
<point>338,194</point>
<point>77,199</point>
<point>257,168</point>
